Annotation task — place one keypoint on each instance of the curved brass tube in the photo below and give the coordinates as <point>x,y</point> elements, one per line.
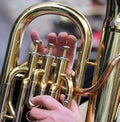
<point>110,40</point>
<point>17,33</point>
<point>70,89</point>
<point>5,101</point>
<point>101,81</point>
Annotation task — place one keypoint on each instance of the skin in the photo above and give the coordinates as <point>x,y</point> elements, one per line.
<point>55,111</point>
<point>62,39</point>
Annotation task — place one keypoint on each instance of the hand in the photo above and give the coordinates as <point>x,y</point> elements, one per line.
<point>54,112</point>
<point>62,39</point>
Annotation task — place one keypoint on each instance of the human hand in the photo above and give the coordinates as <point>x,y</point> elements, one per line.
<point>59,41</point>
<point>55,111</point>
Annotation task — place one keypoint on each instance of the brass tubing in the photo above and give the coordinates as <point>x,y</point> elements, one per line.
<point>111,40</point>
<point>70,88</point>
<point>34,82</point>
<point>106,77</point>
<point>61,67</point>
<point>6,98</point>
<point>48,60</point>
<point>109,48</point>
<point>101,81</point>
<point>17,33</point>
<point>21,101</point>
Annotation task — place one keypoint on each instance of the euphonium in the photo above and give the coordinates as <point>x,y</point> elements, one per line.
<point>34,75</point>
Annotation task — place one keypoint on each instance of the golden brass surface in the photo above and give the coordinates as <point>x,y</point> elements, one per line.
<point>34,75</point>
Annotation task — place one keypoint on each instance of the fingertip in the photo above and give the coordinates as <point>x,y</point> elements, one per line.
<point>62,98</point>
<point>34,35</point>
<point>63,34</point>
<point>74,106</point>
<point>71,40</point>
<point>69,70</point>
<point>52,38</point>
<point>72,43</point>
<point>33,31</point>
<point>35,100</point>
<point>34,114</point>
<point>46,101</point>
<point>62,37</point>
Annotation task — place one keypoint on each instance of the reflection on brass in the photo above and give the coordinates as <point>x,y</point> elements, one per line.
<point>34,75</point>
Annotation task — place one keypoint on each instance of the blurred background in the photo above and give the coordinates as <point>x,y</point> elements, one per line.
<point>94,10</point>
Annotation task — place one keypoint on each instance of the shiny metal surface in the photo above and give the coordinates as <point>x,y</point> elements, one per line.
<point>26,71</point>
<point>34,75</point>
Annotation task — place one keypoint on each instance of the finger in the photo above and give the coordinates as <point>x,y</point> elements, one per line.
<point>62,98</point>
<point>35,36</point>
<point>71,42</point>
<point>38,114</point>
<point>47,101</point>
<point>61,41</point>
<point>52,38</point>
<point>74,107</point>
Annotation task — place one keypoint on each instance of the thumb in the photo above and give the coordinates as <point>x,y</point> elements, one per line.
<point>74,108</point>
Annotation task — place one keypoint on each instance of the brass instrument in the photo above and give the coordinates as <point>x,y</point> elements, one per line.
<point>34,75</point>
